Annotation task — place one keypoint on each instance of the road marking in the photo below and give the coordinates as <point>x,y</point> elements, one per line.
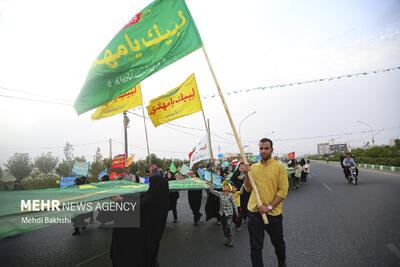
<point>394,249</point>
<point>92,258</point>
<point>327,187</point>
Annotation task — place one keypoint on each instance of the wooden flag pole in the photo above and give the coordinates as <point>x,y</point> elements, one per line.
<point>209,137</point>
<point>253,184</point>
<point>147,140</point>
<point>209,141</point>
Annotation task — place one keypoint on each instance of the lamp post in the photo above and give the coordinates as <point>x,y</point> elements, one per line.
<point>372,131</point>
<point>272,132</point>
<point>240,124</point>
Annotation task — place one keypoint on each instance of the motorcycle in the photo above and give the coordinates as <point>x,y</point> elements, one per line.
<point>353,177</point>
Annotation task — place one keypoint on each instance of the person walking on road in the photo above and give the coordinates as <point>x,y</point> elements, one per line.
<point>173,196</point>
<point>227,209</point>
<point>194,197</point>
<point>271,180</point>
<point>139,246</point>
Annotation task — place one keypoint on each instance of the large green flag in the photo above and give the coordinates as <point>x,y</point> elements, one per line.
<point>157,36</point>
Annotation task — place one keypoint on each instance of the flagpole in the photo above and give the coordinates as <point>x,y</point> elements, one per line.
<point>209,138</point>
<point>147,140</point>
<point>253,184</point>
<point>209,141</point>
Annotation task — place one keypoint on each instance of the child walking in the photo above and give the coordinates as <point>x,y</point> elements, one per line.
<point>236,194</point>
<point>227,209</point>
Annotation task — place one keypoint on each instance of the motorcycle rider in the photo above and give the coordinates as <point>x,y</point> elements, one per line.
<point>349,162</point>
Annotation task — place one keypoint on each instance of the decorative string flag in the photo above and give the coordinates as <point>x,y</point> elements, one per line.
<point>326,79</point>
<point>176,103</point>
<point>130,99</point>
<point>160,34</point>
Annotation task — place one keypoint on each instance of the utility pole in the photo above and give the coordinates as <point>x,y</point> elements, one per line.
<point>110,149</point>
<point>126,123</point>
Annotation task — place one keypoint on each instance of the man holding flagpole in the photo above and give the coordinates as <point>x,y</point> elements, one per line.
<point>271,180</point>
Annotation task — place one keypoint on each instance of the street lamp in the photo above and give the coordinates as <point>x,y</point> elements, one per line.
<point>372,131</point>
<point>240,124</point>
<point>272,132</point>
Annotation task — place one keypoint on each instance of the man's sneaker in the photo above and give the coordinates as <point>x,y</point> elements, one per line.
<point>230,244</point>
<point>218,223</point>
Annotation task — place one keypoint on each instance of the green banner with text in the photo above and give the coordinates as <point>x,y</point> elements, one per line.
<point>157,36</point>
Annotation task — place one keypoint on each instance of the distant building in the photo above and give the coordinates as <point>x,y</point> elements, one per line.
<point>392,142</point>
<point>338,148</point>
<point>323,149</point>
<point>232,156</point>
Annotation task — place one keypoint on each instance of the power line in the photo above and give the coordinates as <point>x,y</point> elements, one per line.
<point>36,100</point>
<point>328,136</point>
<point>30,93</point>
<point>157,150</point>
<point>54,147</point>
<point>176,125</point>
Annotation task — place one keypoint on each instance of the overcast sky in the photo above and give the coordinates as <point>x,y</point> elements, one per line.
<point>47,47</point>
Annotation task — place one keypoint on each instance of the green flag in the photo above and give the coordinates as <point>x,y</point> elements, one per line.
<point>172,167</point>
<point>157,36</point>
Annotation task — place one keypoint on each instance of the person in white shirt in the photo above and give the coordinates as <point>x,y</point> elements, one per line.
<point>306,171</point>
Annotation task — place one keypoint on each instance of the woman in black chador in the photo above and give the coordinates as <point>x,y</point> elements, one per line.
<point>139,246</point>
<point>194,197</point>
<point>173,196</point>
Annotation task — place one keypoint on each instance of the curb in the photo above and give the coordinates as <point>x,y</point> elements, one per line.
<point>369,166</point>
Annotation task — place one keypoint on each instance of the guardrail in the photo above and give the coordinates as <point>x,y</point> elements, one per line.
<point>369,166</point>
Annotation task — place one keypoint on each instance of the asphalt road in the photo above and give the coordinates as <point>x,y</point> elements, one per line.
<point>327,222</point>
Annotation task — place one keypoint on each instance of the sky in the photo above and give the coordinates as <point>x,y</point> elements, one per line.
<point>47,47</point>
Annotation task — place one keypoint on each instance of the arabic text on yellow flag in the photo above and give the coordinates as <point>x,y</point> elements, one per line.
<point>181,101</point>
<point>130,99</point>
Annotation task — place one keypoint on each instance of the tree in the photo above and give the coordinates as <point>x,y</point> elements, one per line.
<point>397,144</point>
<point>1,173</point>
<point>68,154</point>
<point>97,165</point>
<point>64,168</point>
<point>19,165</point>
<point>46,162</point>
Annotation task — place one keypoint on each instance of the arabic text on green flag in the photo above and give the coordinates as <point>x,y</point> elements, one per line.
<point>157,36</point>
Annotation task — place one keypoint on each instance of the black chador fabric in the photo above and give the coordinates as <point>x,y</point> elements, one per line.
<point>212,206</point>
<point>139,246</point>
<point>173,196</point>
<point>234,179</point>
<point>194,197</point>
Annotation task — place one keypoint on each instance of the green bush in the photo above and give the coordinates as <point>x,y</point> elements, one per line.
<point>41,181</point>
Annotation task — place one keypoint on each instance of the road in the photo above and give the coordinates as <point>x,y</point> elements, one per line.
<point>327,222</point>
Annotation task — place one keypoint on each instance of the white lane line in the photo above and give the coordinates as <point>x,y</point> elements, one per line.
<point>394,249</point>
<point>92,258</point>
<point>327,187</point>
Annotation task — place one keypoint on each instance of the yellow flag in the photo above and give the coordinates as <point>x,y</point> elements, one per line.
<point>129,160</point>
<point>179,102</point>
<point>130,99</point>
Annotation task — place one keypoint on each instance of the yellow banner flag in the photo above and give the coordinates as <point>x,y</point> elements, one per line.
<point>129,160</point>
<point>179,102</point>
<point>130,99</point>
